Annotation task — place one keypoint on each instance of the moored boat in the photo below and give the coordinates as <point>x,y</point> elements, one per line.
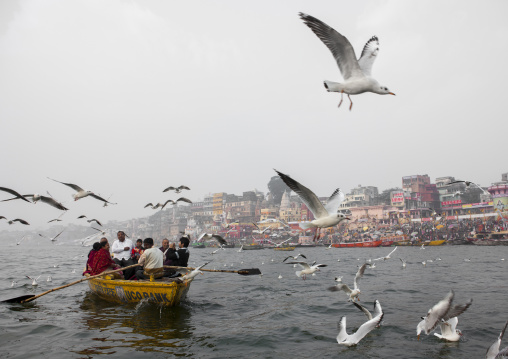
<point>165,291</point>
<point>288,248</point>
<point>437,242</point>
<point>248,247</point>
<point>493,239</point>
<point>358,244</point>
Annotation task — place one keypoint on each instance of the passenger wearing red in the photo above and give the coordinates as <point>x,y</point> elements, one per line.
<point>102,261</point>
<point>137,251</point>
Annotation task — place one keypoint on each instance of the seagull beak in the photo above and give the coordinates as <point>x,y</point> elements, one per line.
<point>391,93</point>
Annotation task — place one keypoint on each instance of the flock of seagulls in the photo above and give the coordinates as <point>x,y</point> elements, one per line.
<point>170,201</point>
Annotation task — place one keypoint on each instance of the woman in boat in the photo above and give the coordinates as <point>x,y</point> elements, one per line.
<point>102,261</point>
<point>91,255</point>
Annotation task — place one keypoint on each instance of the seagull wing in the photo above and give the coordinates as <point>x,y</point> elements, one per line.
<point>369,54</point>
<point>149,205</point>
<point>437,312</point>
<point>391,252</point>
<point>359,274</point>
<point>342,336</point>
<point>364,310</point>
<point>203,235</point>
<point>304,265</point>
<point>333,203</point>
<point>183,199</point>
<point>43,236</point>
<point>219,239</point>
<point>99,198</point>
<point>170,188</point>
<point>306,195</point>
<point>183,187</point>
<point>457,310</point>
<point>52,202</point>
<point>96,221</point>
<point>55,237</point>
<point>168,201</point>
<point>22,221</point>
<point>14,193</point>
<point>366,328</point>
<point>338,287</point>
<point>339,45</point>
<point>73,186</point>
<point>493,351</point>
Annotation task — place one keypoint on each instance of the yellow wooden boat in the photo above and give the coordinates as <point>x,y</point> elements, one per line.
<point>435,242</point>
<point>164,291</point>
<point>284,248</point>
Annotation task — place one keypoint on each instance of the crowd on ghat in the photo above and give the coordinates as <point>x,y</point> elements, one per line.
<point>123,253</point>
<point>423,231</point>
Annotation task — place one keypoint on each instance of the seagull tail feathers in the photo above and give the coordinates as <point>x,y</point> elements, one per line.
<point>333,86</point>
<point>298,273</point>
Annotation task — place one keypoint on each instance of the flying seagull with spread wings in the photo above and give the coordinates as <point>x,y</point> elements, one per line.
<point>357,74</point>
<point>326,216</point>
<point>37,197</point>
<point>14,193</point>
<point>81,193</point>
<point>176,189</point>
<point>344,338</point>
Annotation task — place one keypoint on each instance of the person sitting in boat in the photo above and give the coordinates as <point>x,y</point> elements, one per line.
<point>137,251</point>
<point>165,251</point>
<point>102,262</point>
<point>122,248</point>
<point>95,248</point>
<point>180,257</point>
<point>152,261</point>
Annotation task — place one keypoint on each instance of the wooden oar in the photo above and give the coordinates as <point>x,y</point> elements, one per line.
<point>29,298</point>
<point>249,271</point>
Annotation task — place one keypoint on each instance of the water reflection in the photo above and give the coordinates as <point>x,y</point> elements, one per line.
<point>147,327</point>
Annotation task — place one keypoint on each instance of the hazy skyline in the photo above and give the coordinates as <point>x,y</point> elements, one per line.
<point>126,98</point>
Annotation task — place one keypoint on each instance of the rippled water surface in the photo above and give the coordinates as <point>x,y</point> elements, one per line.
<point>232,316</point>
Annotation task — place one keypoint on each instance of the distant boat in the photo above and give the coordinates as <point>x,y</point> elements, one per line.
<point>287,248</point>
<point>198,245</point>
<point>358,244</point>
<point>493,239</point>
<point>248,247</point>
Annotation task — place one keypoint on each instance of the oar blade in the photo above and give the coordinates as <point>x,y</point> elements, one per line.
<point>19,299</point>
<point>249,271</point>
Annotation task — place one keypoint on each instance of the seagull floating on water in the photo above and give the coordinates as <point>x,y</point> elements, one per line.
<point>34,280</point>
<point>356,73</point>
<point>49,279</point>
<point>349,340</point>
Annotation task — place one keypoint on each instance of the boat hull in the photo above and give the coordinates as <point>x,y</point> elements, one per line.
<point>357,244</point>
<point>250,247</point>
<point>284,249</point>
<point>165,292</point>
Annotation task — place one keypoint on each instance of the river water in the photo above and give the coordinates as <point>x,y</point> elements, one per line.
<point>234,316</point>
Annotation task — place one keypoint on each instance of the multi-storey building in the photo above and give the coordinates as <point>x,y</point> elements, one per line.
<point>360,197</point>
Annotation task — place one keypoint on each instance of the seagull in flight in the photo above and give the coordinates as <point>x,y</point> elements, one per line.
<point>307,269</point>
<point>81,193</point>
<point>352,294</point>
<point>21,240</point>
<point>357,74</point>
<point>207,236</point>
<point>22,221</point>
<point>493,351</point>
<point>176,189</point>
<point>449,322</point>
<point>403,263</point>
<point>349,340</point>
<point>54,238</point>
<point>377,310</point>
<point>37,197</point>
<point>190,274</point>
<point>90,220</point>
<point>14,193</point>
<point>468,184</point>
<point>259,230</point>
<point>294,257</point>
<point>326,216</point>
<point>387,257</point>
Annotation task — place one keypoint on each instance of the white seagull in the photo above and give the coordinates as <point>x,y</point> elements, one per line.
<point>403,263</point>
<point>352,294</point>
<point>387,257</point>
<point>294,257</point>
<point>344,338</point>
<point>18,243</point>
<point>190,274</point>
<point>54,238</point>
<point>49,279</point>
<point>34,280</point>
<point>207,236</point>
<point>493,351</point>
<point>356,73</point>
<point>449,322</point>
<point>326,216</point>
<point>241,249</point>
<point>307,269</point>
<point>81,193</point>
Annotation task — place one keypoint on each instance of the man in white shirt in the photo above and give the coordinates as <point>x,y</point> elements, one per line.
<point>121,250</point>
<point>151,259</point>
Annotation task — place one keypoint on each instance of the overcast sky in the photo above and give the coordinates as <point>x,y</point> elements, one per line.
<point>125,98</point>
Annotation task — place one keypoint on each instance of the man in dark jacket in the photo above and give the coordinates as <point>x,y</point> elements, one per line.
<point>179,257</point>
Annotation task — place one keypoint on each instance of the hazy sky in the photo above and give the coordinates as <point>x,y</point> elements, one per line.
<point>129,97</point>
